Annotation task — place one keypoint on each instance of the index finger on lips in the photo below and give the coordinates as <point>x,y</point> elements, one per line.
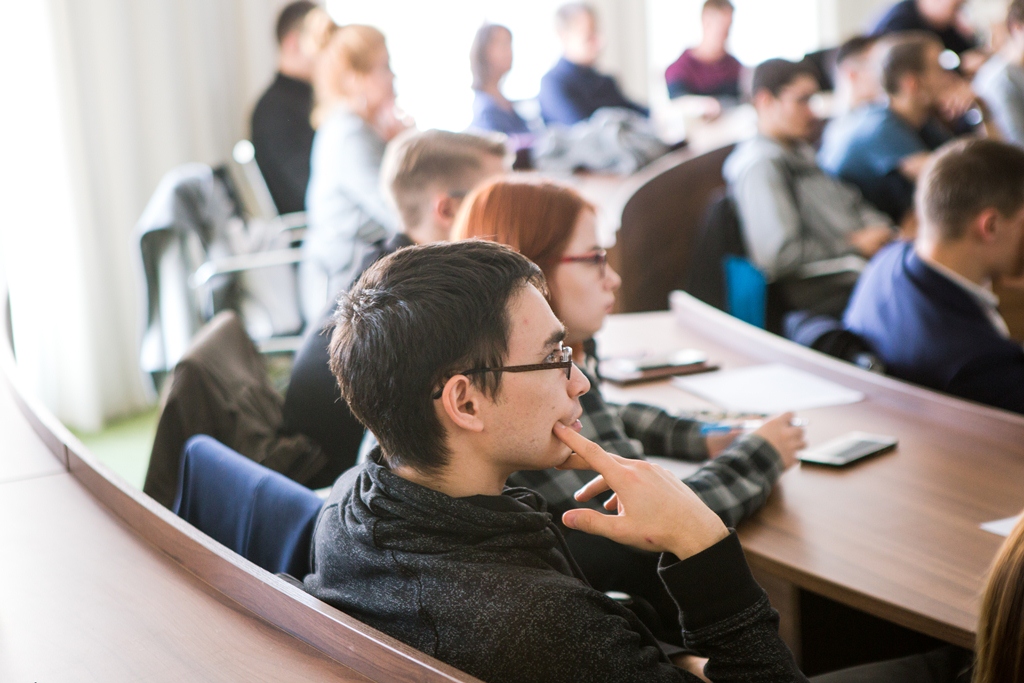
<point>592,454</point>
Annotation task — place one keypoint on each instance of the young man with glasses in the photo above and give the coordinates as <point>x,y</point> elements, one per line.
<point>451,355</point>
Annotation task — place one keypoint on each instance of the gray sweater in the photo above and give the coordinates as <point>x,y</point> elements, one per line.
<point>1001,85</point>
<point>792,212</point>
<point>486,584</point>
<point>345,208</point>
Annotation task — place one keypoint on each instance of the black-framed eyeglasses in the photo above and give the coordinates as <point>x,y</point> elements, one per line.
<point>565,363</point>
<point>597,258</point>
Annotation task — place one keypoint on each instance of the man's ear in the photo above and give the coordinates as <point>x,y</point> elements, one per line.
<point>462,401</point>
<point>762,99</point>
<point>986,225</point>
<point>445,208</point>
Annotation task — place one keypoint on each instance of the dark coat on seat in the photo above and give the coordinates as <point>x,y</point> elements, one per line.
<point>220,388</point>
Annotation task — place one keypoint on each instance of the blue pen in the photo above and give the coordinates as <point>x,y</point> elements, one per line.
<point>712,428</point>
<point>746,425</point>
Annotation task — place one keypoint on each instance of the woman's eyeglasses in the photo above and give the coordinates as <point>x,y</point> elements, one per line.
<point>564,352</point>
<point>597,258</point>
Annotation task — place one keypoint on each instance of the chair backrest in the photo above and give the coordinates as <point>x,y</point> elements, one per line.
<point>260,514</point>
<point>252,185</point>
<point>720,237</point>
<point>660,224</point>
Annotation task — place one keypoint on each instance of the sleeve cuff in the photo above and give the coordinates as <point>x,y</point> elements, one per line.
<point>713,585</point>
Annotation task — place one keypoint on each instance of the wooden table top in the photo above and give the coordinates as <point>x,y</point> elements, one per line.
<point>896,535</point>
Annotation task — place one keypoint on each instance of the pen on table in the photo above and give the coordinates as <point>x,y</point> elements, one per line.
<point>746,425</point>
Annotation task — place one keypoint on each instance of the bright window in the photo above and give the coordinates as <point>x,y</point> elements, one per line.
<point>760,30</point>
<point>429,44</point>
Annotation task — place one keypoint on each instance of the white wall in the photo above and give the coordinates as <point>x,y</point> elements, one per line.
<point>110,95</point>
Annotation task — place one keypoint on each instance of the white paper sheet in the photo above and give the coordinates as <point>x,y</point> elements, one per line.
<point>767,389</point>
<point>1002,527</point>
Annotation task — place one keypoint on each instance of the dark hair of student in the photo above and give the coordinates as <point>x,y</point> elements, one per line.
<point>478,62</point>
<point>854,47</point>
<point>718,5</point>
<point>291,17</point>
<point>1000,641</point>
<point>414,319</point>
<point>774,75</point>
<point>965,178</point>
<point>905,53</point>
<point>1015,14</point>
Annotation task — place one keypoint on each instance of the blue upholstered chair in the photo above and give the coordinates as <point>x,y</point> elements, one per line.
<point>260,514</point>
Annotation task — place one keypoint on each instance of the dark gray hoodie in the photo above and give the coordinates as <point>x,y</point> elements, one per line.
<point>486,584</point>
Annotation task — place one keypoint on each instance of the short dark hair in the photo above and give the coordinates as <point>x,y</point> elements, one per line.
<point>1015,14</point>
<point>905,53</point>
<point>291,18</point>
<point>720,5</point>
<point>965,178</point>
<point>854,47</point>
<point>414,319</point>
<point>775,74</point>
<point>478,62</point>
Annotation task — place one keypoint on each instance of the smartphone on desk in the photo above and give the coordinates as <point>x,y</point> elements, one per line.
<point>655,366</point>
<point>848,449</point>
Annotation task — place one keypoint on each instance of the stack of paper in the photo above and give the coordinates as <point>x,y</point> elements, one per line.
<point>768,390</point>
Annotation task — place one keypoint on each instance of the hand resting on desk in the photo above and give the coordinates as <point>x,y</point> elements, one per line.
<point>779,431</point>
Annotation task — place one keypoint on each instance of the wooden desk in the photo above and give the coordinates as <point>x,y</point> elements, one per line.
<point>895,536</point>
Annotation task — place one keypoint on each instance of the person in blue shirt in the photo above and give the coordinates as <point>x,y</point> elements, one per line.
<point>927,307</point>
<point>490,59</point>
<point>573,89</point>
<point>883,148</point>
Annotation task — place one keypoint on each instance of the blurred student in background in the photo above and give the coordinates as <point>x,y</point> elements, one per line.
<point>708,69</point>
<point>556,228</point>
<point>887,145</point>
<point>857,80</point>
<point>490,59</point>
<point>281,132</point>
<point>927,307</point>
<point>1000,82</point>
<point>943,19</point>
<point>791,212</point>
<point>354,117</point>
<point>573,89</point>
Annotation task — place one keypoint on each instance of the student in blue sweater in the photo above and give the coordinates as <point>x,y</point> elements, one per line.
<point>927,307</point>
<point>573,89</point>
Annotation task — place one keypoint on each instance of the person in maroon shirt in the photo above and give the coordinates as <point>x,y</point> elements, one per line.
<point>707,69</point>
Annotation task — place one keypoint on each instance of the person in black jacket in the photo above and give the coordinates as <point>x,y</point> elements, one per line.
<point>281,132</point>
<point>452,356</point>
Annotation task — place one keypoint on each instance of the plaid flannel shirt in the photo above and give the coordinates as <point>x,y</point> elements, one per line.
<point>735,484</point>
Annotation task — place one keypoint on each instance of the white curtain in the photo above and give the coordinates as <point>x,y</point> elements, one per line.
<point>101,98</point>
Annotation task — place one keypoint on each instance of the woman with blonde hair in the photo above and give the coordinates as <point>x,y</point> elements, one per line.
<point>555,227</point>
<point>354,116</point>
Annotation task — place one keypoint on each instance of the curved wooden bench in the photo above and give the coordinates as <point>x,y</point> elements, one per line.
<point>274,630</point>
